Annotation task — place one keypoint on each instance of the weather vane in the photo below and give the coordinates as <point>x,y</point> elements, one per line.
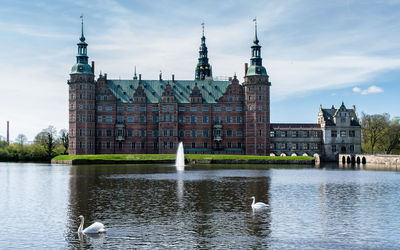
<point>202,25</point>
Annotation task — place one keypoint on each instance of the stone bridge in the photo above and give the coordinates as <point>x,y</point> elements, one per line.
<point>369,159</point>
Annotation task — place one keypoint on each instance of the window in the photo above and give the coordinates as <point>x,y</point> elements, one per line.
<point>351,148</point>
<point>120,108</point>
<point>316,134</point>
<point>143,133</point>
<point>164,107</point>
<point>239,144</point>
<point>165,132</point>
<point>272,133</point>
<point>171,132</point>
<point>333,133</point>
<point>142,108</point>
<point>205,133</point>
<point>239,133</point>
<point>259,108</point>
<point>294,146</point>
<point>155,118</point>
<point>120,118</point>
<point>193,109</point>
<point>130,132</point>
<point>193,133</point>
<point>99,119</point>
<point>80,144</point>
<point>181,119</point>
<point>229,144</point>
<point>217,119</point>
<point>109,132</point>
<point>193,119</point>
<point>306,133</point>
<point>193,145</point>
<point>342,133</point>
<point>130,108</point>
<point>259,98</point>
<point>171,145</point>
<point>260,118</point>
<point>295,133</point>
<point>229,133</point>
<point>105,98</point>
<point>205,118</point>
<point>260,132</point>
<point>142,118</point>
<point>108,145</point>
<point>171,107</point>
<point>352,133</point>
<point>120,132</point>
<point>155,145</point>
<point>283,133</point>
<point>155,133</point>
<point>228,108</point>
<point>239,108</point>
<point>217,109</point>
<point>133,145</point>
<point>80,106</point>
<point>142,144</point>
<point>109,118</point>
<point>283,146</point>
<point>99,132</point>
<point>181,109</point>
<point>80,132</point>
<point>205,145</point>
<point>333,148</point>
<point>99,145</point>
<point>108,108</point>
<point>181,133</point>
<point>80,118</point>
<point>130,119</point>
<point>171,118</point>
<point>229,119</point>
<point>239,119</point>
<point>80,87</point>
<point>343,120</point>
<point>154,108</point>
<point>205,108</point>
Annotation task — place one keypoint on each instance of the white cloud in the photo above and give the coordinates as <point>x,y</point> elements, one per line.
<point>372,90</point>
<point>356,90</point>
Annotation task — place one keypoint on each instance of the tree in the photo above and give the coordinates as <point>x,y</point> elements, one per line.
<point>64,139</point>
<point>374,128</point>
<point>390,140</point>
<point>47,138</point>
<point>21,139</point>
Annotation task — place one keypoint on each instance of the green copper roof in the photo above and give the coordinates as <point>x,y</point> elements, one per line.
<point>256,70</point>
<point>81,68</point>
<point>124,90</point>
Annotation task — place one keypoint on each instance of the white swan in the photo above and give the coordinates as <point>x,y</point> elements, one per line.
<point>258,205</point>
<point>95,228</point>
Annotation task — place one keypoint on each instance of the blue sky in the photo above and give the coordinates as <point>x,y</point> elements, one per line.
<point>316,52</point>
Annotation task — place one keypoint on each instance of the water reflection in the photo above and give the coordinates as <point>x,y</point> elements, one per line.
<point>156,206</point>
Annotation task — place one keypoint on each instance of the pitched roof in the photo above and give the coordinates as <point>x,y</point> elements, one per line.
<point>124,90</point>
<point>330,113</point>
<point>295,126</point>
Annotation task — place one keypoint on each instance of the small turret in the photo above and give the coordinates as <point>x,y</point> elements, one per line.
<point>203,68</point>
<point>82,66</point>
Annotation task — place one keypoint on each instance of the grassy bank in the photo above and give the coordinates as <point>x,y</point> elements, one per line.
<point>191,158</point>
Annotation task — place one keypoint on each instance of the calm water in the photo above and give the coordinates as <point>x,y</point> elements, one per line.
<point>156,207</point>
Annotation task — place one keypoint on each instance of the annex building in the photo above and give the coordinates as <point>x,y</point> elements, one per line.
<point>139,116</point>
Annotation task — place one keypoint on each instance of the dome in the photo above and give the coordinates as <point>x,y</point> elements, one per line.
<point>81,68</point>
<point>256,70</point>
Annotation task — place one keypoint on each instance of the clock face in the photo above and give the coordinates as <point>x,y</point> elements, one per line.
<point>80,68</point>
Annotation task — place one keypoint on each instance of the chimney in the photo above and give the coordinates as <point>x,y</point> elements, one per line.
<point>140,78</point>
<point>173,78</point>
<point>246,66</point>
<point>8,132</point>
<point>105,76</point>
<point>93,67</point>
<point>160,76</point>
<point>354,107</point>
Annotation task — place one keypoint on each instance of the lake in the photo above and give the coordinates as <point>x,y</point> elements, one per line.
<point>153,206</point>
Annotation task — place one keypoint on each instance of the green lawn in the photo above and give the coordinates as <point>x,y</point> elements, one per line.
<point>155,157</point>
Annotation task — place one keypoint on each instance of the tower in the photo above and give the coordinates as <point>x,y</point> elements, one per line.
<point>82,102</point>
<point>203,68</point>
<point>257,99</point>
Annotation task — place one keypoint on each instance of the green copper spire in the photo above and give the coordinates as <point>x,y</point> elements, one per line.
<point>256,67</point>
<point>82,66</point>
<point>203,68</point>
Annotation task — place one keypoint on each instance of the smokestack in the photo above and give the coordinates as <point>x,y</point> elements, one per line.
<point>8,132</point>
<point>93,67</point>
<point>246,66</point>
<point>173,78</point>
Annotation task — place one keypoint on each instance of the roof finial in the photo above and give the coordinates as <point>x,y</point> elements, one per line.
<point>202,25</point>
<point>82,36</point>
<point>134,75</point>
<point>255,29</point>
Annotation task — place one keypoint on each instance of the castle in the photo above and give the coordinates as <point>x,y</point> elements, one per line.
<point>138,116</point>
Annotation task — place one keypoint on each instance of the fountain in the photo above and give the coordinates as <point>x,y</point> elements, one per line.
<point>180,158</point>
